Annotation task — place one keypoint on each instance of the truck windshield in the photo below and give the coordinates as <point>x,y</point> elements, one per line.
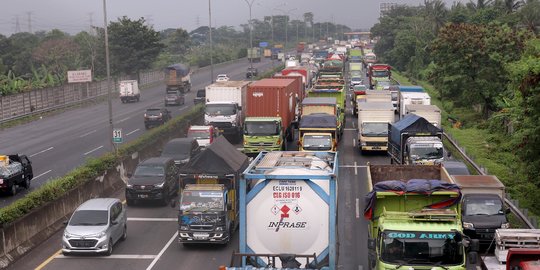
<point>375,129</point>
<point>220,109</point>
<point>421,248</point>
<point>426,152</point>
<point>380,73</point>
<point>483,206</point>
<point>199,134</point>
<point>261,128</point>
<point>201,201</point>
<point>317,142</point>
<point>394,95</point>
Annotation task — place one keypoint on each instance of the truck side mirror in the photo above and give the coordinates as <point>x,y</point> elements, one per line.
<point>371,244</point>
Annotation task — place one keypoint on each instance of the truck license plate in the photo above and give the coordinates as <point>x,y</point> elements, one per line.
<point>143,196</point>
<point>201,236</point>
<point>376,148</point>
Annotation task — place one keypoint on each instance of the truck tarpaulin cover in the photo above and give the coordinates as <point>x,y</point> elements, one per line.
<point>416,186</point>
<point>318,120</point>
<point>220,158</point>
<point>181,69</point>
<point>412,123</point>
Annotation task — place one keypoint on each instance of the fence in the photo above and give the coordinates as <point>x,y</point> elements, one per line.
<point>47,99</point>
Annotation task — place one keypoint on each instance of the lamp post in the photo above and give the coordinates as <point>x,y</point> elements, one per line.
<point>211,43</point>
<point>287,12</point>
<point>108,67</point>
<point>250,38</point>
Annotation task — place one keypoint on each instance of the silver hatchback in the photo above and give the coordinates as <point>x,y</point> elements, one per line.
<point>95,227</point>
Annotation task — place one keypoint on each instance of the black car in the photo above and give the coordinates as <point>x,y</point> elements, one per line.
<point>201,96</point>
<point>154,179</point>
<point>455,167</point>
<point>174,98</point>
<point>252,72</point>
<point>181,150</point>
<point>156,117</point>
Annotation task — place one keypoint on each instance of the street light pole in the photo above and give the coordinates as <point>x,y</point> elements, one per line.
<point>286,24</point>
<point>211,43</point>
<point>108,67</point>
<point>250,38</point>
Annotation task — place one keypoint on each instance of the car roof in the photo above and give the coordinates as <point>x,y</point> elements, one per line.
<point>98,204</point>
<point>201,127</point>
<point>180,141</point>
<point>154,109</point>
<point>156,161</point>
<point>455,167</point>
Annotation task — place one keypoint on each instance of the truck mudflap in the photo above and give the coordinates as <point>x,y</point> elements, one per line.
<point>288,261</point>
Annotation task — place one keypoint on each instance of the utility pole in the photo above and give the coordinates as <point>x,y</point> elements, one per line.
<point>107,63</point>
<point>29,15</point>
<point>211,45</point>
<point>250,36</point>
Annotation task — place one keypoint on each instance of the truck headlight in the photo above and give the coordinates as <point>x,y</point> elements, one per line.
<point>183,228</point>
<point>233,122</point>
<point>129,186</point>
<point>467,225</point>
<point>363,143</point>
<point>206,122</point>
<point>160,185</point>
<point>219,228</point>
<point>505,225</point>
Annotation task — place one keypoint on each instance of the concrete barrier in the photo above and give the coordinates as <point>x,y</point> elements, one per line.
<point>20,236</point>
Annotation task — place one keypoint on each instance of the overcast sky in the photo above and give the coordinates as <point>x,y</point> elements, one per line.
<point>73,16</point>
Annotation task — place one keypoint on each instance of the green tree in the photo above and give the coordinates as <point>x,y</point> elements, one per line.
<point>134,45</point>
<point>89,46</point>
<point>58,55</point>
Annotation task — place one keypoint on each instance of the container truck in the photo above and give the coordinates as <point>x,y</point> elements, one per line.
<point>208,211</point>
<point>288,211</point>
<point>414,218</point>
<point>254,54</point>
<point>414,140</point>
<point>224,107</point>
<point>432,113</point>
<point>129,91</point>
<point>318,132</point>
<point>270,115</point>
<point>412,95</point>
<point>372,129</point>
<point>299,71</point>
<point>178,77</point>
<point>483,206</point>
<point>378,96</point>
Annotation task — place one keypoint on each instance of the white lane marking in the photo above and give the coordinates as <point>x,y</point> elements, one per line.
<point>357,208</point>
<point>152,219</point>
<point>355,168</point>
<point>353,125</point>
<point>122,120</point>
<point>360,267</point>
<point>350,129</point>
<point>162,251</point>
<point>93,150</point>
<point>42,151</point>
<point>40,175</point>
<point>354,142</point>
<point>88,133</point>
<point>118,256</point>
<point>182,108</point>
<point>133,132</point>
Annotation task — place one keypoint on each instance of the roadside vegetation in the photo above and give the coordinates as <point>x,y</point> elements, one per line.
<point>480,63</point>
<point>37,60</point>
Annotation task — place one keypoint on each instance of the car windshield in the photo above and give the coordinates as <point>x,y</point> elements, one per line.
<point>426,152</point>
<point>483,206</point>
<point>172,95</point>
<point>201,93</point>
<point>380,73</point>
<point>261,128</point>
<point>153,112</point>
<point>220,109</point>
<point>421,248</point>
<point>199,134</point>
<point>317,142</point>
<point>149,170</point>
<point>356,79</point>
<point>177,149</point>
<point>394,96</point>
<point>201,201</point>
<point>89,218</point>
<point>375,129</point>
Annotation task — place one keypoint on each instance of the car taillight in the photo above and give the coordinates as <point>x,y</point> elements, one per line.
<point>145,116</point>
<point>160,114</point>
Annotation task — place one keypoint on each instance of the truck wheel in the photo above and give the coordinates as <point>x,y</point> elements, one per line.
<point>26,183</point>
<point>13,190</point>
<point>138,99</point>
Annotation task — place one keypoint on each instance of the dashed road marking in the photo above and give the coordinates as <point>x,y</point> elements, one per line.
<point>42,151</point>
<point>88,133</point>
<point>357,208</point>
<point>131,132</point>
<point>93,150</point>
<point>42,174</point>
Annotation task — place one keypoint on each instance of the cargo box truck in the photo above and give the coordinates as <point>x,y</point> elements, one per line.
<point>431,113</point>
<point>372,129</point>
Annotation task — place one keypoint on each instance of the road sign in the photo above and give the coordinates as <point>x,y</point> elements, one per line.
<point>117,135</point>
<point>79,76</point>
<point>263,44</point>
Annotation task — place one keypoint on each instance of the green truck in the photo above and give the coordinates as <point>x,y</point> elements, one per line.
<point>332,90</point>
<point>414,215</point>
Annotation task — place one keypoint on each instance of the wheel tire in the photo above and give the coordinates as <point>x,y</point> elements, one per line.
<point>26,184</point>
<point>165,199</point>
<point>13,190</point>
<point>130,202</point>
<point>65,253</point>
<point>124,235</point>
<point>110,248</point>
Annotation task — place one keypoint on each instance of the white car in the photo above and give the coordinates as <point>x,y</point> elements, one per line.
<point>222,78</point>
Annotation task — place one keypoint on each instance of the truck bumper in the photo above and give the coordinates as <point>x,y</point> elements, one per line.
<point>374,148</point>
<point>257,150</point>
<point>203,237</point>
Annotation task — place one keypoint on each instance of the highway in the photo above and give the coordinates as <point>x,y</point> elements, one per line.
<point>61,142</point>
<point>151,242</point>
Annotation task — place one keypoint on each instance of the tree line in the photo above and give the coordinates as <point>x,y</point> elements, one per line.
<point>482,57</point>
<point>42,59</point>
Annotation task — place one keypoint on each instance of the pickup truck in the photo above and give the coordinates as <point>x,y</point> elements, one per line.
<point>15,171</point>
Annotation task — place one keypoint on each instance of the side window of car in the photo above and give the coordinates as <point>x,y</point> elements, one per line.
<point>115,211</point>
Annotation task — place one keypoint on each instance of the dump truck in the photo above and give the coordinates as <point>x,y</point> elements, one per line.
<point>332,90</point>
<point>15,171</point>
<point>299,230</point>
<point>414,140</point>
<point>432,113</point>
<point>178,77</point>
<point>376,71</point>
<point>414,218</point>
<point>483,206</point>
<point>270,115</point>
<point>372,129</point>
<point>318,132</point>
<point>328,105</point>
<point>224,107</point>
<point>209,182</point>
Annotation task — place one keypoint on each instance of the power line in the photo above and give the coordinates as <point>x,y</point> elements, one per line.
<point>17,24</point>
<point>29,14</point>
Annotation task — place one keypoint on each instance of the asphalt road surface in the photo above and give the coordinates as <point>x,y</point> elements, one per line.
<point>151,241</point>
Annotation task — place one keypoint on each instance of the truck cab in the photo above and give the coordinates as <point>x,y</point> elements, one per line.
<point>317,141</point>
<point>225,115</point>
<point>204,135</point>
<point>424,150</point>
<point>263,134</point>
